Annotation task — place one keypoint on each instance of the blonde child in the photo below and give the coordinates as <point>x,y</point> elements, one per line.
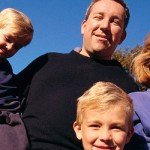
<point>140,69</point>
<point>104,117</point>
<point>16,31</point>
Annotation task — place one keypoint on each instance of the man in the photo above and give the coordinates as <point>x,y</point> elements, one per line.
<point>61,78</point>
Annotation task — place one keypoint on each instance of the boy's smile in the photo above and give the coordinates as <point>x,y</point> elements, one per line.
<point>104,130</point>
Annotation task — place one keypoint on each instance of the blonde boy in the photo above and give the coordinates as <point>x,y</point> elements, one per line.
<point>104,117</point>
<point>16,31</point>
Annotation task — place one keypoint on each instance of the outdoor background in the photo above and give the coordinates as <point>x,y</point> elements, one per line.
<point>57,26</point>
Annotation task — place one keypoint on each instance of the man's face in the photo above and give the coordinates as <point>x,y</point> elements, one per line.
<point>108,129</point>
<point>104,29</point>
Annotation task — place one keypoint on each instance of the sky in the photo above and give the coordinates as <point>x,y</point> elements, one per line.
<point>57,26</point>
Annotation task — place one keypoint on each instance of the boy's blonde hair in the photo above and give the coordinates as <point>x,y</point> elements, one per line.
<point>140,66</point>
<point>103,96</point>
<point>18,24</point>
<point>127,13</point>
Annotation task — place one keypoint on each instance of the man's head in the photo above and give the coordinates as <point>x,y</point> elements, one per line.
<point>104,117</point>
<point>127,15</point>
<point>104,28</point>
<point>16,31</point>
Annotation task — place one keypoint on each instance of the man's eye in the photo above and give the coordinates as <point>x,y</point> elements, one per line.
<point>117,22</point>
<point>98,17</point>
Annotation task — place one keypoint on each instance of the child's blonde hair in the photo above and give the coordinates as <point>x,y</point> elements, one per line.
<point>140,66</point>
<point>102,96</point>
<point>18,24</point>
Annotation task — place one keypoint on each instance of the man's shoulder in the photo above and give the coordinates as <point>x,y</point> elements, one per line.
<point>60,56</point>
<point>57,54</point>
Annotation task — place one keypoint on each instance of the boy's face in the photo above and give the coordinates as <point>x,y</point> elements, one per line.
<point>8,45</point>
<point>101,130</point>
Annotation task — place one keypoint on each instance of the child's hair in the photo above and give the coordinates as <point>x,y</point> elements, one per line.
<point>147,43</point>
<point>127,15</point>
<point>17,24</point>
<point>140,66</point>
<point>102,96</point>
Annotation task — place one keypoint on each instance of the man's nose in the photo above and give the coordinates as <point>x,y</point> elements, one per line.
<point>105,24</point>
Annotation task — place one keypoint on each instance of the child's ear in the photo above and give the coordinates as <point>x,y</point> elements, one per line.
<point>77,129</point>
<point>129,135</point>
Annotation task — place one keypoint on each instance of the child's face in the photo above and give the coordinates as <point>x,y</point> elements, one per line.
<point>104,129</point>
<point>8,45</point>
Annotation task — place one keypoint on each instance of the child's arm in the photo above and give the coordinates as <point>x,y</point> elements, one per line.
<point>9,99</point>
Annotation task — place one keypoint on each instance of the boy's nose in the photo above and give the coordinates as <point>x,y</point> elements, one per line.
<point>9,46</point>
<point>105,135</point>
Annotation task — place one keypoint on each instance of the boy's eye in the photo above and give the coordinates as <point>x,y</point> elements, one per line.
<point>118,128</point>
<point>9,39</point>
<point>94,125</point>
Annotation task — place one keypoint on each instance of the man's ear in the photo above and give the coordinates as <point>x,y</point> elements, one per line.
<point>123,36</point>
<point>77,129</point>
<point>83,25</point>
<point>129,135</point>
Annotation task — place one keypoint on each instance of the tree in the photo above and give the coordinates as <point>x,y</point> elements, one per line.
<point>126,56</point>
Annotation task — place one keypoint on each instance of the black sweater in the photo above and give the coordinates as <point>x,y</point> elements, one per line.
<point>9,96</point>
<point>51,103</point>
